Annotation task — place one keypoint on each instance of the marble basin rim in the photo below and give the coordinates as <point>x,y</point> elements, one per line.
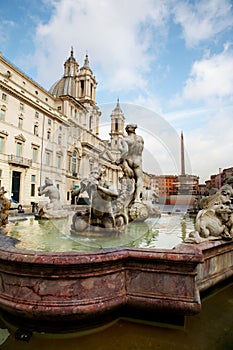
<point>68,291</point>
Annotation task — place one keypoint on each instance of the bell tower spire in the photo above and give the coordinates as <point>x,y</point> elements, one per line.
<point>86,83</point>
<point>71,65</point>
<point>117,126</point>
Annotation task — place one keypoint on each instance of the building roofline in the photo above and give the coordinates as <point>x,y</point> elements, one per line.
<point>23,74</point>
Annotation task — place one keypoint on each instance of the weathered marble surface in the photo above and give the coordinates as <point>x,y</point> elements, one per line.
<point>111,208</point>
<point>214,219</point>
<point>4,211</point>
<point>69,291</point>
<point>53,209</point>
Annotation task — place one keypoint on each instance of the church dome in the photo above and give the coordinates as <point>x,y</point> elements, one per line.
<point>64,86</point>
<point>67,84</point>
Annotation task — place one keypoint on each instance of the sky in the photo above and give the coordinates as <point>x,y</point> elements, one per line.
<point>170,63</point>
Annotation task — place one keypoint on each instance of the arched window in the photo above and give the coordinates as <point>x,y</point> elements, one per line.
<point>116,124</point>
<point>91,90</point>
<point>82,87</point>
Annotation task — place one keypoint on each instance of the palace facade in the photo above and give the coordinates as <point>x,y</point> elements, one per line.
<point>53,133</point>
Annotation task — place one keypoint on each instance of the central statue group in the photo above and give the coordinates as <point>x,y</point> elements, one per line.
<point>110,208</point>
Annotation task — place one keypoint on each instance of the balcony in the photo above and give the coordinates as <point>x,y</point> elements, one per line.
<point>19,161</point>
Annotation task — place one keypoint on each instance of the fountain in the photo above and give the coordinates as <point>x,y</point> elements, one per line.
<point>108,208</point>
<point>65,291</point>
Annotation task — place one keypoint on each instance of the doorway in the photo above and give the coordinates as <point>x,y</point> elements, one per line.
<point>15,188</point>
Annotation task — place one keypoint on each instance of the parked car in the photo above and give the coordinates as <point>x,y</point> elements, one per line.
<point>15,205</point>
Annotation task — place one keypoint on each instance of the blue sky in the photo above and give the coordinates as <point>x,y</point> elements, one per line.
<point>171,58</point>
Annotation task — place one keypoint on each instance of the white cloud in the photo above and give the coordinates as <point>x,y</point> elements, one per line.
<point>210,80</point>
<point>209,145</point>
<point>116,34</point>
<point>202,20</point>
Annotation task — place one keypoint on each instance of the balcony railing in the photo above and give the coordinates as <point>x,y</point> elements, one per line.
<point>19,161</point>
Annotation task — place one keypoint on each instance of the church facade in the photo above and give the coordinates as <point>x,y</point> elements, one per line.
<point>53,133</point>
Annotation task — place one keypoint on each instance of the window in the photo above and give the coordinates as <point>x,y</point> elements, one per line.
<point>91,90</point>
<point>34,154</point>
<point>36,128</point>
<point>47,158</point>
<point>49,122</point>
<point>82,87</point>
<point>20,123</point>
<point>69,163</point>
<point>33,185</point>
<point>2,114</point>
<point>79,134</point>
<point>2,142</point>
<point>58,161</point>
<point>59,139</point>
<point>116,125</point>
<point>4,96</point>
<point>74,163</point>
<point>21,106</point>
<point>74,132</point>
<point>90,123</point>
<point>48,135</point>
<point>33,190</point>
<point>19,149</point>
<point>37,115</point>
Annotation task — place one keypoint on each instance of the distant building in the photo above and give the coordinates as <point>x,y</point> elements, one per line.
<point>220,179</point>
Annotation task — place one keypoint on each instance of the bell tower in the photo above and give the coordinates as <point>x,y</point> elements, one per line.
<point>71,66</point>
<point>117,126</point>
<point>86,90</point>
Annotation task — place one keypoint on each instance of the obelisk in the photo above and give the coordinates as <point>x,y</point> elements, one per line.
<point>182,155</point>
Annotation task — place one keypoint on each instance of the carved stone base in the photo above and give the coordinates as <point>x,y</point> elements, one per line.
<point>138,212</point>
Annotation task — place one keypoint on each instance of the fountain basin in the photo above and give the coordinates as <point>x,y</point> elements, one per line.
<point>65,292</point>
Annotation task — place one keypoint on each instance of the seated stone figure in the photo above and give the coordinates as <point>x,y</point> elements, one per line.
<point>53,208</point>
<point>101,194</point>
<point>51,191</point>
